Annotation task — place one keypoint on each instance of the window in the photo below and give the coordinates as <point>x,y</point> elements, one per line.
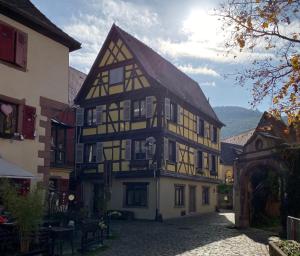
<point>205,195</point>
<point>215,134</point>
<point>173,112</point>
<point>90,153</point>
<point>139,109</point>
<point>90,117</point>
<point>179,195</point>
<point>13,45</point>
<point>213,168</point>
<point>201,127</point>
<point>139,150</point>
<point>172,151</point>
<point>136,195</point>
<point>8,119</point>
<point>116,75</point>
<point>200,161</point>
<point>58,145</point>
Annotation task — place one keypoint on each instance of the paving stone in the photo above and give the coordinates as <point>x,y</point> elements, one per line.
<point>203,235</point>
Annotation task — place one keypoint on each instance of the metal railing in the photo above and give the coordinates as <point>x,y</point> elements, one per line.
<point>293,228</point>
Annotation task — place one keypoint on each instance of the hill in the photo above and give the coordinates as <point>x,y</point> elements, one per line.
<point>237,119</point>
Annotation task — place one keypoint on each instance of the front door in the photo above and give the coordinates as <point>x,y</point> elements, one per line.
<point>192,199</point>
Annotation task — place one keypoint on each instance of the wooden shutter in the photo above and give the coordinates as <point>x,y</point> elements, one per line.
<point>128,150</point>
<point>149,106</point>
<point>167,108</point>
<point>196,159</point>
<point>179,114</point>
<point>211,132</point>
<point>99,114</point>
<point>126,110</point>
<point>210,162</point>
<point>177,152</point>
<point>99,152</point>
<point>79,116</point>
<point>28,124</point>
<point>198,125</point>
<point>7,43</point>
<point>79,152</point>
<point>21,49</point>
<point>206,129</point>
<point>166,149</point>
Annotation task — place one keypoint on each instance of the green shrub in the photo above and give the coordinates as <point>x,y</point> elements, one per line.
<point>289,247</point>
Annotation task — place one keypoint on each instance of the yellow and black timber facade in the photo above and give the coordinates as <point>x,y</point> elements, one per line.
<point>146,131</point>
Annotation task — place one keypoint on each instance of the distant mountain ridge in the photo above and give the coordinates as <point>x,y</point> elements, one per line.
<point>237,119</point>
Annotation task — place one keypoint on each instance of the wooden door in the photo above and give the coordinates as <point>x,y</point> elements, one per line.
<point>192,199</point>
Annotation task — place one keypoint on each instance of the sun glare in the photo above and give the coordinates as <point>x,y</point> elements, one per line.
<point>201,26</point>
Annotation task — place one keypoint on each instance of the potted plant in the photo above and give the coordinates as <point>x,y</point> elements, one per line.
<point>27,210</point>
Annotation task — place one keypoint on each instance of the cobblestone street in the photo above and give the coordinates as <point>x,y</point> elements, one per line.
<point>208,234</point>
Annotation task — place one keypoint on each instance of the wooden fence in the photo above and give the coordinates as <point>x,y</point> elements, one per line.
<point>293,228</point>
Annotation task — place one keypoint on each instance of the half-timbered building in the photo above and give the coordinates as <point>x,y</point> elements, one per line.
<point>146,131</point>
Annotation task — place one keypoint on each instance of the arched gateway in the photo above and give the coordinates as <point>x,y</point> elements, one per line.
<point>260,171</point>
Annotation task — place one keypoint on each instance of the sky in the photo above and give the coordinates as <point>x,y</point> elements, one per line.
<point>183,32</point>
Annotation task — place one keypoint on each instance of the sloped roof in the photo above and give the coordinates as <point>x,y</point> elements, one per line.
<point>163,72</point>
<point>273,128</point>
<point>168,75</point>
<point>26,13</point>
<point>76,79</point>
<point>229,152</point>
<point>240,139</point>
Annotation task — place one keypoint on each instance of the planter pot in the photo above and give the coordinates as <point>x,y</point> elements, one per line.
<point>275,250</point>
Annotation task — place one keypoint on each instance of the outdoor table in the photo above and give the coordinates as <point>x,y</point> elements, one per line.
<point>61,234</point>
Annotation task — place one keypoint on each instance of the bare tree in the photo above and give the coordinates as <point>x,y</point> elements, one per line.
<point>271,28</point>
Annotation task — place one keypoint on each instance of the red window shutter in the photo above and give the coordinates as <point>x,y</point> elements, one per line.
<point>28,122</point>
<point>7,43</point>
<point>21,49</point>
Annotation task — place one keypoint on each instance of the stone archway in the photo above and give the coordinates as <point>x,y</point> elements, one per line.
<point>243,187</point>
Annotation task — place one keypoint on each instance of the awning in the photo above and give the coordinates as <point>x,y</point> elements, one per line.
<point>12,171</point>
<point>57,122</point>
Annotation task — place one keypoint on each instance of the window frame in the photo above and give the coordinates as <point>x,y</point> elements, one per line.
<point>172,151</point>
<point>55,149</point>
<point>135,188</point>
<point>201,127</point>
<point>205,195</point>
<point>140,116</point>
<point>15,119</point>
<point>173,112</point>
<point>122,77</point>
<point>215,134</point>
<point>93,121</point>
<point>14,63</point>
<point>140,149</point>
<point>87,155</point>
<point>179,195</point>
<point>200,160</point>
<point>214,164</point>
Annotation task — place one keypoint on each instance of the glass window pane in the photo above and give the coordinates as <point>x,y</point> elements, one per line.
<point>143,108</point>
<point>116,75</point>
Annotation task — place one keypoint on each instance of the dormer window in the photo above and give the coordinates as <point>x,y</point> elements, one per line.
<point>116,75</point>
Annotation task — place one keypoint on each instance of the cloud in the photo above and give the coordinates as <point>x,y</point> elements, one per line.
<point>198,70</point>
<point>209,84</point>
<point>91,27</point>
